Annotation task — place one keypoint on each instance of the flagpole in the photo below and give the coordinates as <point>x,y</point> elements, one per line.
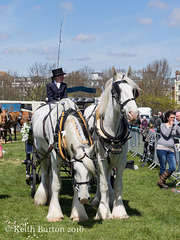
<point>59,48</point>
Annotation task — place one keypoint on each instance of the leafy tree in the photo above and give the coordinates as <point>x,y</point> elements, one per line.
<point>156,87</point>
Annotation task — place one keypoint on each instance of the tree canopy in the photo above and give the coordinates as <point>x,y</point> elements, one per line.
<point>154,81</point>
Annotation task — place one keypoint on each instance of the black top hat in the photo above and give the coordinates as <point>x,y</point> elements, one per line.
<point>58,72</point>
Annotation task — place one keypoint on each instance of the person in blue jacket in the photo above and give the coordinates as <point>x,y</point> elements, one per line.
<point>57,89</point>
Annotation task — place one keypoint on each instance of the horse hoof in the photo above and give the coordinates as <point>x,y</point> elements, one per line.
<point>75,219</point>
<point>55,220</point>
<point>121,217</point>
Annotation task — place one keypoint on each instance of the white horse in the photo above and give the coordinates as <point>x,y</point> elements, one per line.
<point>108,120</point>
<point>79,149</point>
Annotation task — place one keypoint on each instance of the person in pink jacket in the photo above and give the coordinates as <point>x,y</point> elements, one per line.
<point>1,151</point>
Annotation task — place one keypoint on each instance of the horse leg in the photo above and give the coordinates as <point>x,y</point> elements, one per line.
<point>55,213</point>
<point>10,135</point>
<point>103,211</point>
<point>119,210</point>
<point>14,132</point>
<point>41,196</point>
<point>78,212</point>
<point>97,197</point>
<point>5,135</point>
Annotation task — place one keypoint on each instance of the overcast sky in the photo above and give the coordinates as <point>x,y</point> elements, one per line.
<point>95,33</point>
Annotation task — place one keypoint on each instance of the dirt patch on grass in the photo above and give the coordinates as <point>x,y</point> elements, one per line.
<point>16,161</point>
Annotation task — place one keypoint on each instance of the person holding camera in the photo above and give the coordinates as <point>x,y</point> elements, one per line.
<point>165,148</point>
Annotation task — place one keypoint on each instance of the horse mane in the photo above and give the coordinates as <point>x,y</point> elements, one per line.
<point>105,95</point>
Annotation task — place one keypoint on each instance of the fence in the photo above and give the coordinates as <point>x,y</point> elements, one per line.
<point>137,146</point>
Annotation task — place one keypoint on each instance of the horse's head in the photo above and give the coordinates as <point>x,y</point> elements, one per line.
<point>83,168</point>
<point>4,117</point>
<point>124,91</point>
<point>24,117</point>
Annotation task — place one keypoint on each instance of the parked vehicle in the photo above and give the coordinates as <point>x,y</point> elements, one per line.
<point>145,111</point>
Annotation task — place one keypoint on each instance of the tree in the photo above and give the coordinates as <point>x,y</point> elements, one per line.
<point>7,90</point>
<point>80,77</point>
<point>129,73</point>
<point>156,87</point>
<point>155,77</point>
<point>41,70</point>
<point>40,75</point>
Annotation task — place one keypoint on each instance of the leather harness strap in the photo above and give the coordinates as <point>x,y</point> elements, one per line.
<point>59,141</point>
<point>110,143</point>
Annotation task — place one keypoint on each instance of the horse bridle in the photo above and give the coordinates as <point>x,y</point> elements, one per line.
<point>74,159</point>
<point>116,93</point>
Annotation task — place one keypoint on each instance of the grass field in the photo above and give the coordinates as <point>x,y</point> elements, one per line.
<point>154,213</point>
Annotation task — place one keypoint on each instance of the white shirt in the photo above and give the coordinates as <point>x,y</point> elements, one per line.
<point>58,84</point>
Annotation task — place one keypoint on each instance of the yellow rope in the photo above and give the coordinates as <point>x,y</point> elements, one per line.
<point>85,126</point>
<point>60,141</point>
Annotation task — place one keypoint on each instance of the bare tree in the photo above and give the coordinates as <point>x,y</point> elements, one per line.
<point>41,70</point>
<point>155,78</point>
<point>40,75</point>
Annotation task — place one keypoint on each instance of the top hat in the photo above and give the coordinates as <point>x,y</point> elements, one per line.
<point>58,72</point>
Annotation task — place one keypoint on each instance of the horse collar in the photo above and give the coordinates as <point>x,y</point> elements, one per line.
<point>120,137</point>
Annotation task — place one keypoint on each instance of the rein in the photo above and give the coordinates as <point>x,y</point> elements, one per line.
<point>59,141</point>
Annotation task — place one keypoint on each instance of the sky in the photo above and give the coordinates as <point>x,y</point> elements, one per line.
<point>94,33</point>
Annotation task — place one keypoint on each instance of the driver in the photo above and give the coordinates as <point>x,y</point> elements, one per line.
<point>57,89</point>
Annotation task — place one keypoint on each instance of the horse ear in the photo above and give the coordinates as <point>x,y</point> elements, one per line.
<point>114,73</point>
<point>73,150</point>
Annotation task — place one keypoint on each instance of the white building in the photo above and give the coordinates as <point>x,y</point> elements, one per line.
<point>96,79</point>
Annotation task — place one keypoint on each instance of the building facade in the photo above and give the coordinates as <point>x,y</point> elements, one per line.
<point>177,87</point>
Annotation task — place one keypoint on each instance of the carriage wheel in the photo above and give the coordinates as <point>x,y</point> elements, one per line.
<point>27,162</point>
<point>33,182</point>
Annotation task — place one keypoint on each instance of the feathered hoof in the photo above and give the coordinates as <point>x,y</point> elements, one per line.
<point>121,217</point>
<point>55,220</point>
<point>107,217</point>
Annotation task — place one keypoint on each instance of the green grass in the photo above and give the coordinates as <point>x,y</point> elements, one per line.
<point>154,213</point>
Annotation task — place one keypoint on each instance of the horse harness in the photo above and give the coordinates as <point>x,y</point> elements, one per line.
<point>116,90</point>
<point>59,144</point>
<point>20,117</point>
<point>11,115</point>
<point>113,144</point>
